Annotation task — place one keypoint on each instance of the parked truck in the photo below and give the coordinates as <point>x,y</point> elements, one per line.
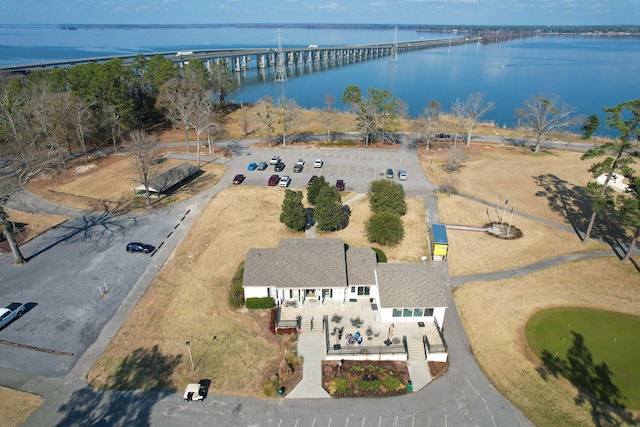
<point>184,53</point>
<point>11,312</point>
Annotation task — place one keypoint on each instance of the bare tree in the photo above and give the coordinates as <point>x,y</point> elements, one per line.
<point>520,113</point>
<point>288,117</point>
<point>179,98</point>
<point>548,115</point>
<point>144,154</point>
<point>84,124</point>
<point>8,227</point>
<point>201,120</point>
<point>475,108</point>
<point>426,123</point>
<point>266,116</point>
<point>329,118</point>
<point>460,117</point>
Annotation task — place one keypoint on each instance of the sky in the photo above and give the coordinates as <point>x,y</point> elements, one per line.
<point>428,12</point>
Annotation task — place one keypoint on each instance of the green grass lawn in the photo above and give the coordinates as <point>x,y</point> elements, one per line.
<point>596,350</point>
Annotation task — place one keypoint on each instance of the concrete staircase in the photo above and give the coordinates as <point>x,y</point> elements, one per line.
<point>416,350</point>
<point>308,323</point>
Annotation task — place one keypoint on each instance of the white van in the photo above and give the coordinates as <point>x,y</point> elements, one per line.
<point>402,175</point>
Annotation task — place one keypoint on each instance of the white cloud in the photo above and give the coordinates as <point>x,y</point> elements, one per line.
<point>330,6</point>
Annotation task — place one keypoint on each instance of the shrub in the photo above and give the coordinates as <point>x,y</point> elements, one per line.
<point>387,195</point>
<point>393,383</point>
<point>380,255</point>
<point>236,292</point>
<point>264,302</point>
<point>385,228</point>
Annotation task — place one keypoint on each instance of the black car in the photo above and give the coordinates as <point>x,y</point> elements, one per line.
<point>297,168</point>
<point>279,167</point>
<point>140,247</point>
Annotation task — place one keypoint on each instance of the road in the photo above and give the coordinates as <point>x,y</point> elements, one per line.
<point>68,265</point>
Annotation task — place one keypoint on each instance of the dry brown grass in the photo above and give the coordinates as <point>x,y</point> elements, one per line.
<point>188,298</point>
<point>413,246</point>
<point>473,252</point>
<point>16,406</point>
<point>494,315</point>
<point>33,225</point>
<point>83,186</point>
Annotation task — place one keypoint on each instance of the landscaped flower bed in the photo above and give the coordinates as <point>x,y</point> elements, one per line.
<point>357,378</point>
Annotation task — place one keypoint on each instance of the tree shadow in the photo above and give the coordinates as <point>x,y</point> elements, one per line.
<point>141,379</point>
<point>101,228</point>
<point>575,205</point>
<point>592,380</point>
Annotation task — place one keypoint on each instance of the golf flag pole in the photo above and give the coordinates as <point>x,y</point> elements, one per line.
<point>506,202</point>
<point>510,219</point>
<point>498,206</point>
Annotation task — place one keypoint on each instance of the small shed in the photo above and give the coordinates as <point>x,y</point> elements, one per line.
<point>170,180</point>
<point>440,242</point>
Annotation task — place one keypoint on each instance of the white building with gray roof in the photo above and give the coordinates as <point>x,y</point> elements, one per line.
<point>322,269</point>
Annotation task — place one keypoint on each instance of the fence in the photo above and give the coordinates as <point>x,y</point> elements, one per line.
<point>361,351</point>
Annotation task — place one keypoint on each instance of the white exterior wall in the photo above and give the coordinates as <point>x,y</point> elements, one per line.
<point>386,315</point>
<point>255,292</point>
<point>374,357</point>
<point>437,357</point>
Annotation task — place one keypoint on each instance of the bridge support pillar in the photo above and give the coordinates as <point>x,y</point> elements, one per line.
<point>261,61</point>
<point>236,64</point>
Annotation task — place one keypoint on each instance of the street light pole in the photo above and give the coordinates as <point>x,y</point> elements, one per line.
<point>193,368</point>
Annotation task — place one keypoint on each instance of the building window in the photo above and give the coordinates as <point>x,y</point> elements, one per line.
<point>268,292</point>
<point>364,290</point>
<point>428,312</point>
<point>407,312</point>
<point>396,313</point>
<point>353,289</point>
<point>417,312</point>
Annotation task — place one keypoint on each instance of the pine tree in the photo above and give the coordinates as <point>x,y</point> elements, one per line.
<point>293,213</point>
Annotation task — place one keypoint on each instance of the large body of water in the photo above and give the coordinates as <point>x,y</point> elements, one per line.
<point>587,72</point>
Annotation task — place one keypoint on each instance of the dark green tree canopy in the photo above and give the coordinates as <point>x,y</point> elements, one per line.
<point>314,189</point>
<point>385,228</point>
<point>293,213</point>
<point>328,212</point>
<point>387,195</point>
<point>352,95</point>
<point>590,126</point>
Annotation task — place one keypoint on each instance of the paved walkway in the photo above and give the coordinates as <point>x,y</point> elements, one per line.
<point>311,350</point>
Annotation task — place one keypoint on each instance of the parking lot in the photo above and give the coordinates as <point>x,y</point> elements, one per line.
<point>357,167</point>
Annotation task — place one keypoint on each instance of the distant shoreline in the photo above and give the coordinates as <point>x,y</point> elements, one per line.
<point>587,30</point>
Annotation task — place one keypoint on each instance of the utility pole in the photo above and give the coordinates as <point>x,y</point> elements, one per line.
<point>193,368</point>
<point>281,71</point>
<point>394,48</point>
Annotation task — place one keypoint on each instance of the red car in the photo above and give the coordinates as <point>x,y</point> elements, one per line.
<point>273,180</point>
<point>340,185</point>
<point>238,179</point>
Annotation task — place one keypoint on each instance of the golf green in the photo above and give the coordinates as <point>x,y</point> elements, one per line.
<point>598,351</point>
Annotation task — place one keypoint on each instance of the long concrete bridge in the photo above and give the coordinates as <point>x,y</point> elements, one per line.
<point>242,58</point>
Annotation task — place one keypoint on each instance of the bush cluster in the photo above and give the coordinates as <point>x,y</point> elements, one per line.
<point>263,302</point>
<point>236,292</point>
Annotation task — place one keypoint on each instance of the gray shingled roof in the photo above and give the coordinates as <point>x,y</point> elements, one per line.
<point>260,267</point>
<point>361,264</point>
<point>171,177</point>
<point>410,285</point>
<point>298,263</point>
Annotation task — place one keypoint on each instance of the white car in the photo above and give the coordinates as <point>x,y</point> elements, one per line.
<point>10,312</point>
<point>300,162</point>
<point>274,160</point>
<point>284,181</point>
<point>318,163</point>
